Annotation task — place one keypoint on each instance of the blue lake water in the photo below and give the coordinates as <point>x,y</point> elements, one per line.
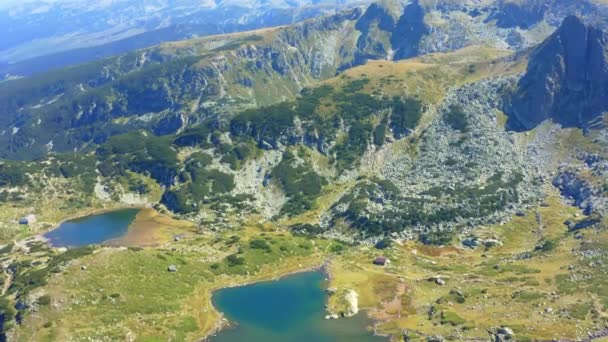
<point>93,229</point>
<point>291,309</point>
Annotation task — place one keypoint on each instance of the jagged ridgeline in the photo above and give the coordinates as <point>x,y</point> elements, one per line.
<point>167,88</point>
<point>566,80</point>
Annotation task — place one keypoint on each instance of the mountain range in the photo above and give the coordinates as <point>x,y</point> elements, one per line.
<point>275,89</point>
<point>45,35</point>
<point>194,79</point>
<point>454,124</point>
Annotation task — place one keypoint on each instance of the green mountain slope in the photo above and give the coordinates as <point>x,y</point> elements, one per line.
<point>167,88</point>
<point>281,160</point>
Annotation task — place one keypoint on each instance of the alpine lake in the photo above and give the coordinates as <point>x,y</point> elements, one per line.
<point>289,309</point>
<point>92,229</point>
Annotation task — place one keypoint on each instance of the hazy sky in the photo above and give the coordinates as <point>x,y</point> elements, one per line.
<point>6,3</point>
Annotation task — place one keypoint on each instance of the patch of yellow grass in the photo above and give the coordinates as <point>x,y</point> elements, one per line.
<point>150,228</point>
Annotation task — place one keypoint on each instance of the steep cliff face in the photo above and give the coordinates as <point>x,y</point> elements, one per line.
<point>375,26</point>
<point>392,32</point>
<point>408,31</point>
<point>566,80</point>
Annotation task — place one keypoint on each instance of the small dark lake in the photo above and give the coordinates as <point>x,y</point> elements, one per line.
<point>291,309</point>
<point>93,229</point>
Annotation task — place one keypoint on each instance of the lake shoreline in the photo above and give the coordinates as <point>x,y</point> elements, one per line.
<point>86,213</point>
<point>150,228</point>
<point>40,236</point>
<point>223,323</point>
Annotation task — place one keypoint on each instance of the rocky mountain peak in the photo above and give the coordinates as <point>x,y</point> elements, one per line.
<point>392,31</point>
<point>566,79</point>
<point>522,14</point>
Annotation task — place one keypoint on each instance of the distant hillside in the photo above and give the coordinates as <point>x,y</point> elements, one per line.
<point>40,40</point>
<point>41,27</point>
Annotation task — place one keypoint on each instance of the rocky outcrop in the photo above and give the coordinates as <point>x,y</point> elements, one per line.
<point>576,189</point>
<point>522,14</point>
<point>566,80</point>
<point>375,26</point>
<point>582,181</point>
<point>352,299</point>
<point>502,334</point>
<point>169,124</point>
<point>584,223</point>
<point>386,33</point>
<point>583,193</point>
<point>474,241</point>
<point>409,31</point>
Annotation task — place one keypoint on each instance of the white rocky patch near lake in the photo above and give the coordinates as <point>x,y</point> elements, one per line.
<point>101,191</point>
<point>269,199</point>
<point>133,199</point>
<point>352,298</point>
